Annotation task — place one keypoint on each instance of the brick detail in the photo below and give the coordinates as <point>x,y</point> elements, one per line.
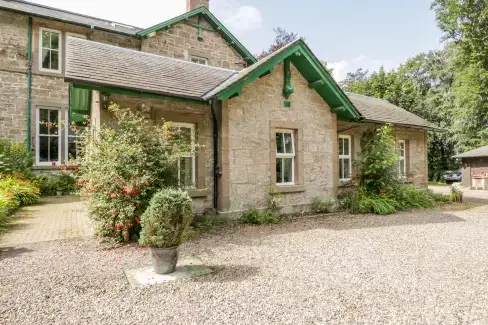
<point>249,143</point>
<point>181,41</point>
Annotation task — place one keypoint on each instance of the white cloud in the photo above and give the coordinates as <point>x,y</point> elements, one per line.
<point>343,67</point>
<point>339,69</point>
<point>236,16</point>
<point>360,58</point>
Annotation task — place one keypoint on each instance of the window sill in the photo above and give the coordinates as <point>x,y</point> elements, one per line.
<point>46,167</point>
<point>288,188</point>
<point>196,192</point>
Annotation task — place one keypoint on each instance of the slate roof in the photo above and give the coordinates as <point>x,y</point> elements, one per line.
<point>475,153</point>
<point>46,12</point>
<point>380,110</point>
<point>99,64</point>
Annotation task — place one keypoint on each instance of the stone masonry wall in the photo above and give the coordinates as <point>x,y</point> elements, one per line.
<point>247,120</point>
<point>416,154</point>
<point>182,112</point>
<point>181,42</point>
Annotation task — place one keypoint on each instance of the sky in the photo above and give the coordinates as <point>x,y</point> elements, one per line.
<point>348,34</point>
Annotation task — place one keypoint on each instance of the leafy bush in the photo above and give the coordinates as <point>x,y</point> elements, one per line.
<point>256,217</point>
<point>349,199</point>
<point>456,193</point>
<point>164,222</point>
<point>14,158</point>
<point>410,197</point>
<point>377,204</point>
<point>24,191</point>
<point>441,198</point>
<point>122,165</point>
<point>322,204</point>
<point>50,184</point>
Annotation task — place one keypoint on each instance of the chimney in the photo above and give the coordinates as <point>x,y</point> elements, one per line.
<point>194,4</point>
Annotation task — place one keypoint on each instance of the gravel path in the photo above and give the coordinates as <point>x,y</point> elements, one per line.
<point>411,268</point>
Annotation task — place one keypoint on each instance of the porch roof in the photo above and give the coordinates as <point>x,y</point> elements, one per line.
<point>98,64</point>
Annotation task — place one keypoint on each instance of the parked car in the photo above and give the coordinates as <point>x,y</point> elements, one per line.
<point>453,177</point>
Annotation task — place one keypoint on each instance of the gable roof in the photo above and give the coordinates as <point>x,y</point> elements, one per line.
<point>41,11</point>
<point>98,64</point>
<point>475,153</point>
<point>307,64</point>
<point>213,21</point>
<point>380,110</point>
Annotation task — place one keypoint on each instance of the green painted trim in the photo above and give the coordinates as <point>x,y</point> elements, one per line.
<point>29,86</point>
<point>339,109</point>
<point>66,21</point>
<point>214,22</point>
<point>121,91</point>
<point>200,30</point>
<point>301,50</point>
<point>287,87</point>
<point>316,84</point>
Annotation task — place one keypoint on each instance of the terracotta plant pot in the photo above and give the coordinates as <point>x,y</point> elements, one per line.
<point>164,259</point>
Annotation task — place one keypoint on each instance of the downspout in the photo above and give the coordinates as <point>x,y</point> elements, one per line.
<point>29,85</point>
<point>216,168</point>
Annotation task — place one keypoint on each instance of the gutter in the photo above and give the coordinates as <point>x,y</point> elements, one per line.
<point>29,85</point>
<point>216,167</point>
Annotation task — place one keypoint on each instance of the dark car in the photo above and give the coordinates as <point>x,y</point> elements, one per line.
<point>453,177</point>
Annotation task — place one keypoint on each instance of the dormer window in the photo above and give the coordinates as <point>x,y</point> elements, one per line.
<point>199,60</point>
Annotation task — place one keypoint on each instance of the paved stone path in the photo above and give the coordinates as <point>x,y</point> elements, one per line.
<point>55,218</point>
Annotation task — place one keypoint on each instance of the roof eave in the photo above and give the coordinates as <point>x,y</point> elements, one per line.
<point>414,126</point>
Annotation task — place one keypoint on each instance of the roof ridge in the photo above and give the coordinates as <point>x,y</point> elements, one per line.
<point>77,39</point>
<point>74,13</point>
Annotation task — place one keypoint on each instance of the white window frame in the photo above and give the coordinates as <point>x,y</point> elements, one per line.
<point>38,113</point>
<point>194,57</point>
<point>191,154</point>
<point>67,136</point>
<point>60,50</point>
<point>402,160</point>
<point>343,156</point>
<point>286,155</point>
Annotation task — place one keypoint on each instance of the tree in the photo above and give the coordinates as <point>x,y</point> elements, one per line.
<point>282,38</point>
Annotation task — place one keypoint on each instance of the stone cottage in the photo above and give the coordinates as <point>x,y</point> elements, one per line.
<point>280,124</point>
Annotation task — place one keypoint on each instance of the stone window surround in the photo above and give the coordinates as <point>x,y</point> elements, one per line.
<point>201,189</point>
<point>299,170</point>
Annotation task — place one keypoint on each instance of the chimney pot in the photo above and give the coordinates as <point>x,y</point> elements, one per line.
<point>194,4</point>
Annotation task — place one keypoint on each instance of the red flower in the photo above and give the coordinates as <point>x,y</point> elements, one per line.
<point>137,219</point>
<point>113,196</point>
<point>75,169</point>
<point>382,192</point>
<point>53,163</point>
<point>125,234</point>
<point>118,227</point>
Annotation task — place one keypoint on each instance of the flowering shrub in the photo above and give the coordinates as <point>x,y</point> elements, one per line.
<point>164,222</point>
<point>120,167</point>
<point>14,158</point>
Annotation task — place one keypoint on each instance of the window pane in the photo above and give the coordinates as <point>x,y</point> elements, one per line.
<point>347,172</point>
<point>288,170</point>
<point>43,149</point>
<point>346,147</point>
<point>186,171</point>
<point>279,169</point>
<point>54,41</point>
<point>45,40</point>
<point>279,143</point>
<point>43,120</point>
<point>402,167</point>
<point>53,122</point>
<point>46,59</point>
<point>72,145</point>
<point>341,168</point>
<point>53,148</point>
<point>288,142</point>
<point>54,60</point>
<point>341,146</point>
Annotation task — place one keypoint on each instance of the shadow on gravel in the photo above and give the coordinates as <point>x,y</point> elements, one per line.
<point>10,252</point>
<point>228,273</point>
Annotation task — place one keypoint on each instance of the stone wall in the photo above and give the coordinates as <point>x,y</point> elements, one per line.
<point>181,42</point>
<point>248,137</point>
<point>183,112</point>
<point>416,143</point>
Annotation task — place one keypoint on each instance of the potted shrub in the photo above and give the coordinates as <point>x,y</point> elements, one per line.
<point>163,224</point>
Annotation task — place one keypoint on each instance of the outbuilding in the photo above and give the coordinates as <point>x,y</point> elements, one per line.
<point>475,168</point>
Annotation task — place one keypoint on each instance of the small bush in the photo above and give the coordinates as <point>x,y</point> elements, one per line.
<point>164,222</point>
<point>349,199</point>
<point>410,197</point>
<point>14,158</point>
<point>24,191</point>
<point>256,217</point>
<point>457,194</point>
<point>322,204</point>
<point>50,184</point>
<point>441,198</point>
<point>377,204</point>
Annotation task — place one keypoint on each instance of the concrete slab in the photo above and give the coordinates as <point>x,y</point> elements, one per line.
<point>145,276</point>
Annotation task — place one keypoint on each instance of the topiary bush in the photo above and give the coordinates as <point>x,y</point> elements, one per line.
<point>256,217</point>
<point>322,204</point>
<point>166,219</point>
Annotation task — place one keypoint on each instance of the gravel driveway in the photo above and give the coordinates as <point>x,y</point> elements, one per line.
<point>412,268</point>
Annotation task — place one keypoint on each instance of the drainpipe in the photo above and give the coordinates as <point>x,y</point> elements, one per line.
<point>216,168</point>
<point>29,85</point>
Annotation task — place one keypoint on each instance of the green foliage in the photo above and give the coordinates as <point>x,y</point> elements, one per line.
<point>49,184</point>
<point>122,165</point>
<point>209,223</point>
<point>349,199</point>
<point>274,199</point>
<point>378,161</point>
<point>14,158</point>
<point>457,194</point>
<point>410,197</point>
<point>369,203</point>
<point>164,222</point>
<point>322,204</point>
<point>256,217</point>
<point>24,191</point>
<point>441,198</point>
